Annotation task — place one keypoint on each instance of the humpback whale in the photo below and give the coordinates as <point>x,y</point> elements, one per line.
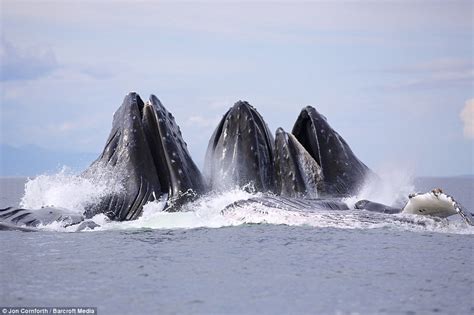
<point>44,216</point>
<point>296,172</point>
<point>147,152</point>
<point>308,169</point>
<point>240,151</point>
<point>28,220</point>
<point>343,173</point>
<point>291,204</point>
<point>314,160</point>
<point>128,155</point>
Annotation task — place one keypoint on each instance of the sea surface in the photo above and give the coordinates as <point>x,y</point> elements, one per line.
<point>248,261</point>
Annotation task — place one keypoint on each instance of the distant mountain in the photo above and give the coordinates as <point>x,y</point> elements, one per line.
<point>466,176</point>
<point>31,160</point>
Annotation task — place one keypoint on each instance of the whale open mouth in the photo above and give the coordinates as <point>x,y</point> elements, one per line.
<point>344,174</point>
<point>306,133</point>
<point>240,151</point>
<point>177,173</point>
<point>147,152</point>
<point>296,172</point>
<point>154,126</point>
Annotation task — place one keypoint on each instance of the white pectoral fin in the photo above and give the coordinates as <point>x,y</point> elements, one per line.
<point>438,204</point>
<point>467,216</point>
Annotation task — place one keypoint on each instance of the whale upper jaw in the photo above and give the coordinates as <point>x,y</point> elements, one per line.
<point>240,151</point>
<point>296,172</point>
<point>178,174</point>
<point>343,172</point>
<point>146,153</point>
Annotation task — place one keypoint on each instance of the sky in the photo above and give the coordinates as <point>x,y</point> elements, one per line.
<point>394,78</point>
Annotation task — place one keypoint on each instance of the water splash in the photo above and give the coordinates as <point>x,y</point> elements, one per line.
<point>203,212</point>
<point>74,192</point>
<point>69,190</point>
<point>207,212</point>
<point>391,187</point>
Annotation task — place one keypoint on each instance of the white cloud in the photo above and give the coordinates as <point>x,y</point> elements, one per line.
<point>467,117</point>
<point>24,63</point>
<point>444,72</point>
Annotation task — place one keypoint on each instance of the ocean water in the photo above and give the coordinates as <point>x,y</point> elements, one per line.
<point>247,261</point>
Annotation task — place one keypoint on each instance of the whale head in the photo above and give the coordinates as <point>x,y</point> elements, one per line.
<point>343,172</point>
<point>177,172</point>
<point>147,155</point>
<point>296,172</point>
<point>240,151</point>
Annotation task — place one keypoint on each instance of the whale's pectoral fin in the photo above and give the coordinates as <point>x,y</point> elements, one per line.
<point>28,219</point>
<point>438,204</point>
<point>467,216</point>
<point>4,226</point>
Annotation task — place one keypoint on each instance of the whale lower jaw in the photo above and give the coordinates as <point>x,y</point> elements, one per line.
<point>344,174</point>
<point>240,151</point>
<point>297,174</point>
<point>147,154</point>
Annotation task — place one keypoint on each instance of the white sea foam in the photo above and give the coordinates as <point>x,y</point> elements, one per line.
<point>67,190</point>
<point>207,212</point>
<point>73,192</point>
<point>203,212</point>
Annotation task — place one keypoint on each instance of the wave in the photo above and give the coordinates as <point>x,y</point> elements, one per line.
<point>69,190</point>
<point>72,191</point>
